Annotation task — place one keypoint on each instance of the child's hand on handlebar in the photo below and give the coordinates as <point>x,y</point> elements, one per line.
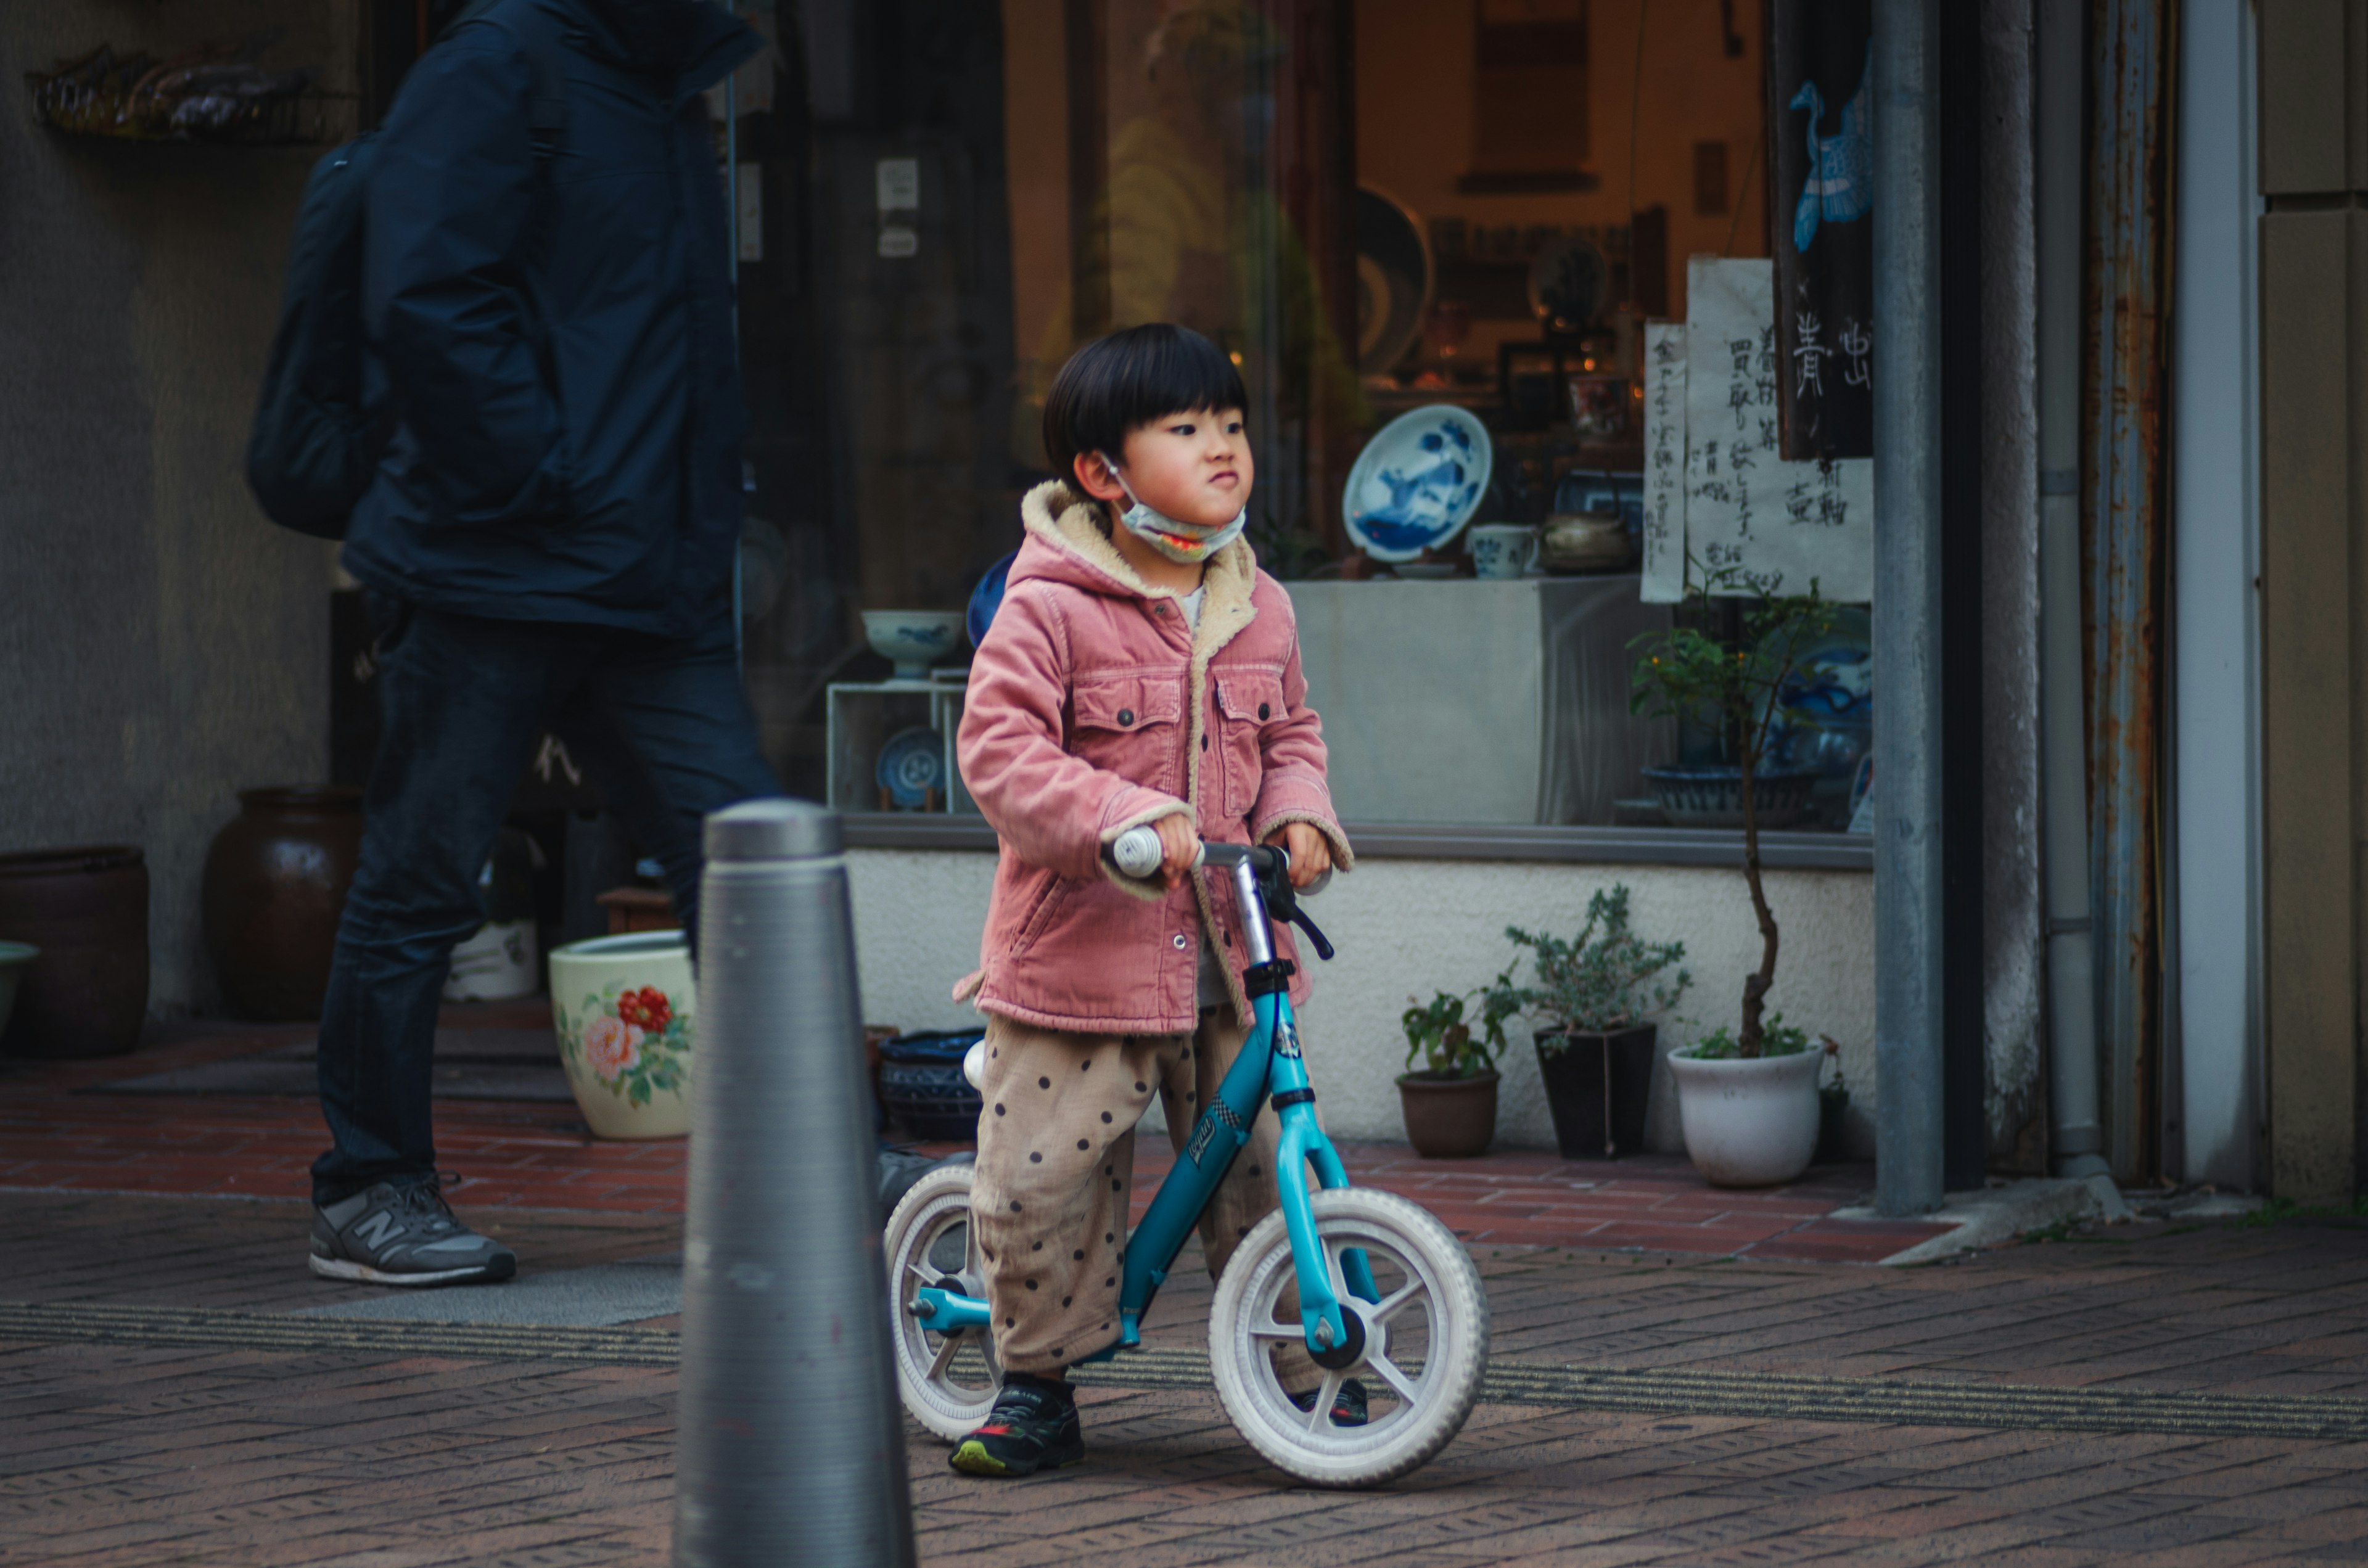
<point>1179,850</point>
<point>1310,856</point>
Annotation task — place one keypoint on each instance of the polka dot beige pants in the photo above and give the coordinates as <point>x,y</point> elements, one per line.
<point>1055,1161</point>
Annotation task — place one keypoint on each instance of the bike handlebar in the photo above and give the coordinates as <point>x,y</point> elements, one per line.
<point>1138,853</point>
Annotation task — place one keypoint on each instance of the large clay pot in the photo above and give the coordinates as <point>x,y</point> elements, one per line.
<point>274,889</point>
<point>1449,1119</point>
<point>86,909</point>
<point>1748,1123</point>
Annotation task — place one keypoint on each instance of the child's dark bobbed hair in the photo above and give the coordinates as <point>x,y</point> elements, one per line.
<point>1131,377</point>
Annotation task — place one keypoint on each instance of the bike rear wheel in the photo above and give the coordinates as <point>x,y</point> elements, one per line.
<point>1421,1348</point>
<point>948,1382</point>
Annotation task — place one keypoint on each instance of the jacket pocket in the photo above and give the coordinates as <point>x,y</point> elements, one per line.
<point>1130,725</point>
<point>1248,701</point>
<point>1047,903</point>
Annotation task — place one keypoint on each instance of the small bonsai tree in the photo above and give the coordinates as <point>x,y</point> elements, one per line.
<point>1606,979</point>
<point>1439,1033</point>
<point>1685,672</point>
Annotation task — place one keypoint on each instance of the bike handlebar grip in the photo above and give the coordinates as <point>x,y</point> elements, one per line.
<point>1136,853</point>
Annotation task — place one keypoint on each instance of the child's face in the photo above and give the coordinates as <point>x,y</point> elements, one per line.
<point>1192,466</point>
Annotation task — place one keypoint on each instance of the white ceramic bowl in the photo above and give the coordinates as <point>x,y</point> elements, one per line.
<point>623,1007</point>
<point>913,640</point>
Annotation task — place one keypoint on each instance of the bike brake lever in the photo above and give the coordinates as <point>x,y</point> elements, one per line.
<point>1323,948</point>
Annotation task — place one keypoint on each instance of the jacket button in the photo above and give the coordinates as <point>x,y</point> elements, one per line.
<point>1181,943</point>
<point>1125,716</point>
<point>1262,711</point>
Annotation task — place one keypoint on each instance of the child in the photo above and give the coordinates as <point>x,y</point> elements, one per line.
<point>1141,670</point>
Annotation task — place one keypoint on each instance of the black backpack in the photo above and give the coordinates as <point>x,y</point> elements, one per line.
<point>326,416</point>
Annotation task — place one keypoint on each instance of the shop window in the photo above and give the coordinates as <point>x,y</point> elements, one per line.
<point>965,192</point>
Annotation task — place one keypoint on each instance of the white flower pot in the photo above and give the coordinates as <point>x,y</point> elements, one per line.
<point>623,1009</point>
<point>1748,1123</point>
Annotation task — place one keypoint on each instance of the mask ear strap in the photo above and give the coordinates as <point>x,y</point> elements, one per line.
<point>1132,497</point>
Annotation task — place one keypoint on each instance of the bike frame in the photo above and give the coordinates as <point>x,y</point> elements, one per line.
<point>1269,1066</point>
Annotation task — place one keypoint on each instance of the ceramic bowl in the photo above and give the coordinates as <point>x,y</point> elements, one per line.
<point>14,959</point>
<point>912,639</point>
<point>624,1010</point>
<point>1418,482</point>
<point>1586,541</point>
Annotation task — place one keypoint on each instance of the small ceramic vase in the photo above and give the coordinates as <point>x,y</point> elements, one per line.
<point>623,1006</point>
<point>1503,550</point>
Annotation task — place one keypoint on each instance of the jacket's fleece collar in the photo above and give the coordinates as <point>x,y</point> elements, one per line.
<point>1066,544</point>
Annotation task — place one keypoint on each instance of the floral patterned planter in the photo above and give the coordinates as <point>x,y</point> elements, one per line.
<point>623,1007</point>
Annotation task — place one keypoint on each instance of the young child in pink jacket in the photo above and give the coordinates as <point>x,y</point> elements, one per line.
<point>1141,670</point>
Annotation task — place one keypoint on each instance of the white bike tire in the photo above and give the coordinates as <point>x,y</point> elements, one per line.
<point>950,1408</point>
<point>1448,1385</point>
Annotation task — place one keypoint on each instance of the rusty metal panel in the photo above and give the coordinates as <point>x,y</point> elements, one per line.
<point>2124,530</point>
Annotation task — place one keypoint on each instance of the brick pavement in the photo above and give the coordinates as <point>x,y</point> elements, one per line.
<point>56,1136</point>
<point>130,1455</point>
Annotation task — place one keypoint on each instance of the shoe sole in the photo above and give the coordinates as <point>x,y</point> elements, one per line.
<point>970,1457</point>
<point>343,1268</point>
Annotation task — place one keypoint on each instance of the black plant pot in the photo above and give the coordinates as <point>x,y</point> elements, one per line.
<point>1598,1087</point>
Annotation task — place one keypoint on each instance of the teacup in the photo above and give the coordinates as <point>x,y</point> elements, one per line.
<point>1503,550</point>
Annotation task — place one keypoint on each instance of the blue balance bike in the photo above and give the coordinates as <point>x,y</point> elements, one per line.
<point>1379,1289</point>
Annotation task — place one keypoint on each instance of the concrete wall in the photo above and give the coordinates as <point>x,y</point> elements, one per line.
<point>162,645</point>
<point>1413,926</point>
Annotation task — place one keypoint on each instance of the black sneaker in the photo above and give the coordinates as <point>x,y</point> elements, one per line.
<point>402,1235</point>
<point>1033,1427</point>
<point>1347,1403</point>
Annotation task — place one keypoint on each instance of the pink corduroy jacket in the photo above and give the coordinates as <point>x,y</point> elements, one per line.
<point>1092,709</point>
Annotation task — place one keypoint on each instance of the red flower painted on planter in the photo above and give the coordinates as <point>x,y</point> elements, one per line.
<point>647,1007</point>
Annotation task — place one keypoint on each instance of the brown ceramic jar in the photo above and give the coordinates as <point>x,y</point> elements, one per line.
<point>86,909</point>
<point>274,889</point>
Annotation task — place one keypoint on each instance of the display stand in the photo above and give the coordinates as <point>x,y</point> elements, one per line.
<point>863,715</point>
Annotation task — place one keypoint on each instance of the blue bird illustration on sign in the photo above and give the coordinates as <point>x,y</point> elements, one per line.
<point>1839,186</point>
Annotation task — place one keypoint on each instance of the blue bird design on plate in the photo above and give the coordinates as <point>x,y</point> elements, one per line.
<point>1839,186</point>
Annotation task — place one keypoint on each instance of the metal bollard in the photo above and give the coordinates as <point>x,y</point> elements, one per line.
<point>792,1446</point>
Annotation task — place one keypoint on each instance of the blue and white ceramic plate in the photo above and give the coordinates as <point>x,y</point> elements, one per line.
<point>1417,482</point>
<point>987,597</point>
<point>911,765</point>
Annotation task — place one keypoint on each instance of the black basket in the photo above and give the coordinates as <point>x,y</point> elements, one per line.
<point>921,1084</point>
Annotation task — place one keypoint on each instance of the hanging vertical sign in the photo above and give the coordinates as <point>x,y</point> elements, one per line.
<point>1821,190</point>
<point>1665,463</point>
<point>1746,507</point>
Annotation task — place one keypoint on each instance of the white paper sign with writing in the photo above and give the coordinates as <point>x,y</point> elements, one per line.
<point>1664,463</point>
<point>1744,504</point>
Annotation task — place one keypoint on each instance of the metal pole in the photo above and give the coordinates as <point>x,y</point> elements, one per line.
<point>1907,918</point>
<point>792,1446</point>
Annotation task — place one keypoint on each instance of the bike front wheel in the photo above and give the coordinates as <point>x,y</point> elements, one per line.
<point>948,1380</point>
<point>1418,1346</point>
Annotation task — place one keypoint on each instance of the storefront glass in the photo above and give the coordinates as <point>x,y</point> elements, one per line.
<point>1375,207</point>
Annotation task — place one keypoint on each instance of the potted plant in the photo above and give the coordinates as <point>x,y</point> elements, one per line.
<point>1747,1097</point>
<point>1596,993</point>
<point>1450,1101</point>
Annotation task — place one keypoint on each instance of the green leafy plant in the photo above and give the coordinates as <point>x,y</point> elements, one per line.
<point>1449,1044</point>
<point>1777,1038</point>
<point>1605,979</point>
<point>1685,672</point>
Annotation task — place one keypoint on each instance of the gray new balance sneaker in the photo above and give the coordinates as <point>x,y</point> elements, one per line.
<point>402,1235</point>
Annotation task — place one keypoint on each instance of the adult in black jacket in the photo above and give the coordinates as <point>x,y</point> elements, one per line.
<point>550,539</point>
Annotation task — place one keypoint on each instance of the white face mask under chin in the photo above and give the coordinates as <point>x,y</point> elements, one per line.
<point>1187,544</point>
